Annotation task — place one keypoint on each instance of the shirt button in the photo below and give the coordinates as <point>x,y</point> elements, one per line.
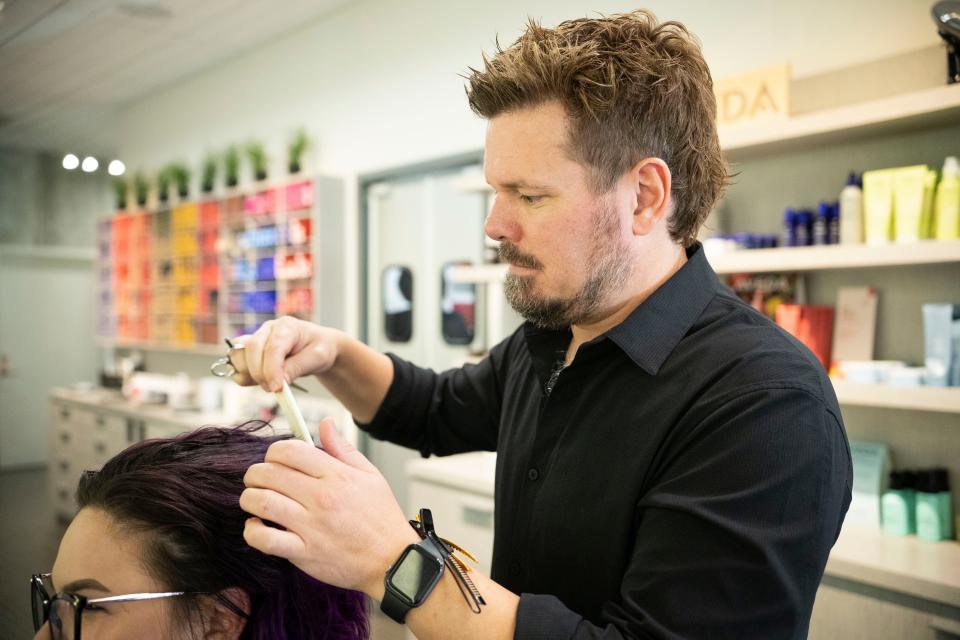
<point>515,567</point>
<point>533,474</point>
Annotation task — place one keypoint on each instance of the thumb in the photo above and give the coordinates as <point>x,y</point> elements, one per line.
<point>335,445</point>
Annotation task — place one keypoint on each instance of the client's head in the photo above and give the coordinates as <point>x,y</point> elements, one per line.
<point>164,516</point>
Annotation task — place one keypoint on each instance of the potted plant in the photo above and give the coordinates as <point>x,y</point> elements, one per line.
<point>297,146</point>
<point>180,175</point>
<point>258,160</point>
<point>163,185</point>
<point>141,187</point>
<point>231,163</point>
<point>121,189</point>
<point>208,175</point>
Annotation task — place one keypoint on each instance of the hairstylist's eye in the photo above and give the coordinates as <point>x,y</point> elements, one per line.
<point>530,199</point>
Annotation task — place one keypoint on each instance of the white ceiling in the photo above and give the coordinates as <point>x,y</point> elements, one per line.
<point>66,66</point>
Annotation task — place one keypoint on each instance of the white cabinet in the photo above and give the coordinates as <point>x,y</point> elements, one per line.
<point>458,490</point>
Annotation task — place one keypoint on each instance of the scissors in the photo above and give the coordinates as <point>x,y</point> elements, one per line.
<point>224,368</point>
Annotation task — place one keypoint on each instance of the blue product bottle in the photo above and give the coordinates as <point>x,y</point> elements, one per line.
<point>898,505</point>
<point>804,228</point>
<point>788,237</point>
<point>821,225</point>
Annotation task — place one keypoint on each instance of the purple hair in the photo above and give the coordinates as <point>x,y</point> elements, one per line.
<point>184,493</point>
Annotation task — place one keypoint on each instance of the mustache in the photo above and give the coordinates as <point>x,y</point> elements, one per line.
<point>509,253</point>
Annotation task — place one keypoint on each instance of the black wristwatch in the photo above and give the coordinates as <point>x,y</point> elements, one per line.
<point>411,579</point>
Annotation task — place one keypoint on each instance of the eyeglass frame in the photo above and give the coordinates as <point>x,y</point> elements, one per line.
<point>79,603</point>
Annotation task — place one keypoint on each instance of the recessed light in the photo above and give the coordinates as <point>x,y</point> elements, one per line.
<point>70,162</point>
<point>116,168</point>
<point>90,164</point>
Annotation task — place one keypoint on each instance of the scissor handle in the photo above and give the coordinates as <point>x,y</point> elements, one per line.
<point>223,368</point>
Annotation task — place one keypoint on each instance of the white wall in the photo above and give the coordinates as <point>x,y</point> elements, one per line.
<point>376,83</point>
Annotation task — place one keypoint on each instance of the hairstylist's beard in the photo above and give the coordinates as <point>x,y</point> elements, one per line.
<point>610,270</point>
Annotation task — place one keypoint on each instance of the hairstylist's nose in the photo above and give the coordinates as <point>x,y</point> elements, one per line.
<point>500,223</point>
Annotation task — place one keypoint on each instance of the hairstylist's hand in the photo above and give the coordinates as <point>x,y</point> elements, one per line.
<point>343,524</point>
<point>284,349</point>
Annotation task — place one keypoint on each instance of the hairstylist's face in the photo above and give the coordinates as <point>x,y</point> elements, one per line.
<point>568,247</point>
<point>98,559</point>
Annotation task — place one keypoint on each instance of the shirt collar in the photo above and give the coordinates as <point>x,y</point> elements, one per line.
<point>652,331</point>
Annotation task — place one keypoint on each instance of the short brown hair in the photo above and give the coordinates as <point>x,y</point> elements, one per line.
<point>632,88</point>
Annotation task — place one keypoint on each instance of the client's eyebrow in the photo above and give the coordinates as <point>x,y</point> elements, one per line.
<point>87,584</point>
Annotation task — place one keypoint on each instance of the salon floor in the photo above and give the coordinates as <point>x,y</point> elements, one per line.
<point>29,535</point>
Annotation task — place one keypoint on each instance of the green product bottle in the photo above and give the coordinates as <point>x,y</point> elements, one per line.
<point>898,505</point>
<point>934,517</point>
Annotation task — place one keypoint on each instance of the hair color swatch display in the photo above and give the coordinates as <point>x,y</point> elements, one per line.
<point>198,272</point>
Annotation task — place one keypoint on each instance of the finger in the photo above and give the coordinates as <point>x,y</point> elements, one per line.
<point>302,457</point>
<point>281,478</point>
<point>238,360</point>
<point>254,353</point>
<point>337,446</point>
<point>273,541</point>
<point>280,343</point>
<point>273,506</point>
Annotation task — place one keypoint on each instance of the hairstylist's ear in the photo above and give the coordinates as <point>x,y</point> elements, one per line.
<point>224,622</point>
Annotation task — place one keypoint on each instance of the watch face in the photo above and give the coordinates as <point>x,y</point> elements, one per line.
<point>415,574</point>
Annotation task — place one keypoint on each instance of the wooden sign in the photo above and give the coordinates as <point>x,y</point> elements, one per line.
<point>758,96</point>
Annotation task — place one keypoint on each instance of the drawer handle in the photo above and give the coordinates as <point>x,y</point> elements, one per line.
<point>99,421</point>
<point>476,515</point>
<point>65,414</point>
<point>63,493</point>
<point>64,436</point>
<point>64,465</point>
<point>100,447</point>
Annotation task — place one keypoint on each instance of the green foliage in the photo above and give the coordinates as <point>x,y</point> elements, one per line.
<point>258,159</point>
<point>231,163</point>
<point>121,189</point>
<point>164,178</point>
<point>180,175</point>
<point>208,174</point>
<point>297,146</point>
<point>141,188</point>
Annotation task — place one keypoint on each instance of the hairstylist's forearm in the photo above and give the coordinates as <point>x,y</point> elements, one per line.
<point>359,378</point>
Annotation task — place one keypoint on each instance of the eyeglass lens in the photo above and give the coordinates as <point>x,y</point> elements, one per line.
<point>62,619</point>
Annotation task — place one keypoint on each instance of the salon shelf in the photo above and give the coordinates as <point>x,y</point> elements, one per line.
<point>936,399</point>
<point>920,568</point>
<point>196,348</point>
<point>836,257</point>
<point>924,108</point>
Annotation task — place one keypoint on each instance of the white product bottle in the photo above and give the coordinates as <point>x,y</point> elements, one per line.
<point>851,212</point>
<point>947,201</point>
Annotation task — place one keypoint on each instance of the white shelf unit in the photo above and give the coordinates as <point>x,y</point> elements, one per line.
<point>920,568</point>
<point>917,109</point>
<point>936,399</point>
<point>836,257</point>
<point>923,108</point>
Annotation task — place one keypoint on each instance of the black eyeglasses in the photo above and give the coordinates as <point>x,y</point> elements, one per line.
<point>64,611</point>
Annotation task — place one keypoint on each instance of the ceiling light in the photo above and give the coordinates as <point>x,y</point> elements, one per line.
<point>70,162</point>
<point>116,168</point>
<point>90,164</point>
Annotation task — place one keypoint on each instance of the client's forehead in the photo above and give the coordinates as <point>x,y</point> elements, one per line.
<point>95,549</point>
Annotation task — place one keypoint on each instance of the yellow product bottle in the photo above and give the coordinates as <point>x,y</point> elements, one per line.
<point>946,207</point>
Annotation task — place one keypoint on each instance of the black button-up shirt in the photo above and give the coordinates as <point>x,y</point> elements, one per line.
<point>686,477</point>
